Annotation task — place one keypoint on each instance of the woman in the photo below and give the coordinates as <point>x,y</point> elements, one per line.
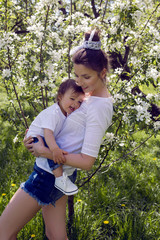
<point>81,136</point>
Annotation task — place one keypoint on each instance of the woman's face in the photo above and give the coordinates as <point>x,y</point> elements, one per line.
<point>90,80</point>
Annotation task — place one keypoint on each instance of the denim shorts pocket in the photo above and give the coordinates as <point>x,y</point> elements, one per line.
<point>36,179</point>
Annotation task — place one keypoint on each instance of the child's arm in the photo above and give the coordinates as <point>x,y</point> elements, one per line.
<point>58,154</point>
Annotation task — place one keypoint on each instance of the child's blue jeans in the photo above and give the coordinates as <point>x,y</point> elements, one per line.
<point>51,163</point>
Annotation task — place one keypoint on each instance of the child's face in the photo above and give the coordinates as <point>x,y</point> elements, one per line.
<point>70,101</point>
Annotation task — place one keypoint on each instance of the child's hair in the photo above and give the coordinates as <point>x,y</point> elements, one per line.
<point>66,85</point>
<point>94,59</point>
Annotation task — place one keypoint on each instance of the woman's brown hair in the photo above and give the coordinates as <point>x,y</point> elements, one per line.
<point>97,60</point>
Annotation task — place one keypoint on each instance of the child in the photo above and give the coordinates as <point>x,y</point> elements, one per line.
<point>49,123</point>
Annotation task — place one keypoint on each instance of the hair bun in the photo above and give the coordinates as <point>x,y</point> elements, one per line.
<point>96,37</point>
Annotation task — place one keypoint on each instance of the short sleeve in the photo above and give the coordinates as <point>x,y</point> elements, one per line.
<point>49,120</point>
<point>99,117</point>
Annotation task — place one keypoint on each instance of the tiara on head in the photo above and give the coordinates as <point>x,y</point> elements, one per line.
<point>88,44</point>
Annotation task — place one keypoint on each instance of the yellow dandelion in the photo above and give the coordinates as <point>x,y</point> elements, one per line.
<point>13,184</point>
<point>3,194</point>
<point>123,205</point>
<point>154,159</point>
<point>106,222</point>
<point>79,200</point>
<point>33,235</point>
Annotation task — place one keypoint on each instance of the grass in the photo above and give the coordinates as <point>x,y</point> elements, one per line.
<point>124,202</point>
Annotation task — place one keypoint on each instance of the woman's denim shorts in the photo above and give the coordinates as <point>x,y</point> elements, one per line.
<point>40,185</point>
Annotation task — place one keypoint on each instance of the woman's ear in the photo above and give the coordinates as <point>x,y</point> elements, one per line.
<point>103,73</point>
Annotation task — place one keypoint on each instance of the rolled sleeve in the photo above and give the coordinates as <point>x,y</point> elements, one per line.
<point>99,118</point>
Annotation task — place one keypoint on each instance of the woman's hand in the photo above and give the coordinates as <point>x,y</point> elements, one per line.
<point>35,148</point>
<point>38,148</point>
<point>28,142</point>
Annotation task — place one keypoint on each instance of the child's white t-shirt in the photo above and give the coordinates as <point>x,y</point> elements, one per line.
<point>51,118</point>
<point>83,130</point>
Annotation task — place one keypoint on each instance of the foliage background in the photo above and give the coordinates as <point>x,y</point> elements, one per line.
<point>119,198</point>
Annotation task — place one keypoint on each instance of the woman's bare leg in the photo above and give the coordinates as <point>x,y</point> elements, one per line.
<point>55,220</point>
<point>20,210</point>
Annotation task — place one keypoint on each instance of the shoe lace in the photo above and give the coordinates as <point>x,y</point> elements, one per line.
<point>65,177</point>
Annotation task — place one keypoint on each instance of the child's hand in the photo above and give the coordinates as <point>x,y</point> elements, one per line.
<point>58,155</point>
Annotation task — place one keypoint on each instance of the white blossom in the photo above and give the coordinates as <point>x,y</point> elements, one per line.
<point>70,30</point>
<point>7,39</point>
<point>114,19</point>
<point>149,96</point>
<point>122,143</point>
<point>136,16</point>
<point>152,73</point>
<point>21,82</point>
<point>118,45</point>
<point>135,61</point>
<point>56,37</point>
<point>55,55</point>
<point>113,30</point>
<point>157,125</point>
<point>157,97</point>
<point>153,31</point>
<point>155,50</point>
<point>21,58</point>
<point>33,58</point>
<point>43,83</point>
<point>142,111</point>
<point>15,139</point>
<point>77,15</point>
<point>60,21</point>
<point>18,7</point>
<point>129,86</point>
<point>118,4</point>
<point>37,66</point>
<point>6,73</point>
<point>125,118</point>
<point>133,144</point>
<point>23,49</point>
<point>52,85</point>
<point>119,97</point>
<point>33,79</point>
<point>118,70</point>
<point>96,21</point>
<point>50,70</point>
<point>109,137</point>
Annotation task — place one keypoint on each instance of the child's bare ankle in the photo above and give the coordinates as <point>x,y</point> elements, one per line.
<point>57,172</point>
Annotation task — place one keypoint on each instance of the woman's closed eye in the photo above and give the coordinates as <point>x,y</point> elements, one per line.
<point>87,77</point>
<point>84,76</point>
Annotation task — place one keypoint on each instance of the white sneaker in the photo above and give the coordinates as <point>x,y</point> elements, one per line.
<point>65,185</point>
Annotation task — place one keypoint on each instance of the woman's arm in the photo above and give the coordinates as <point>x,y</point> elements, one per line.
<point>80,160</point>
